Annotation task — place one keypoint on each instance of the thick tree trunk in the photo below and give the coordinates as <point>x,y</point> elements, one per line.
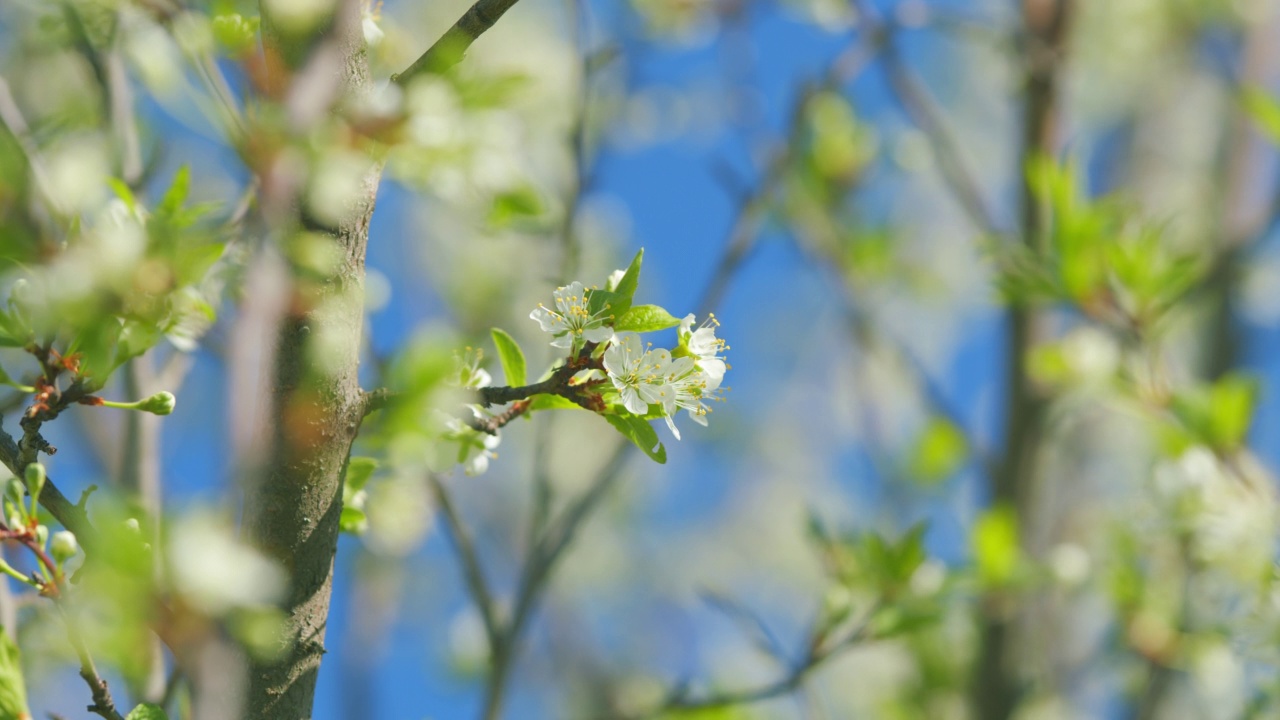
<point>292,510</point>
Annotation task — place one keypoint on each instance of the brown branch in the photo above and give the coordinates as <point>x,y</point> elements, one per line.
<point>449,49</point>
<point>102,703</point>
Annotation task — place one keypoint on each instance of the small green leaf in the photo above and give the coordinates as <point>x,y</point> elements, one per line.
<point>359,470</point>
<point>626,289</point>
<point>511,357</point>
<point>514,206</point>
<point>995,546</point>
<point>1219,415</point>
<point>552,402</point>
<point>641,433</point>
<point>176,195</point>
<point>939,451</point>
<point>353,521</point>
<point>13,690</point>
<point>645,318</point>
<point>147,711</point>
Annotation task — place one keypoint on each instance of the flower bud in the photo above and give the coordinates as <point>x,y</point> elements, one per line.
<point>64,546</point>
<point>42,534</point>
<point>36,476</point>
<point>162,403</point>
<point>132,525</point>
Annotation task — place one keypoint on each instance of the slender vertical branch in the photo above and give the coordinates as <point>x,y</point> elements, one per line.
<point>996,686</point>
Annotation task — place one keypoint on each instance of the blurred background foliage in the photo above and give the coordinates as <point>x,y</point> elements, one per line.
<point>1000,279</point>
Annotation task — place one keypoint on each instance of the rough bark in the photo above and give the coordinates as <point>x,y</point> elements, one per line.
<point>292,511</point>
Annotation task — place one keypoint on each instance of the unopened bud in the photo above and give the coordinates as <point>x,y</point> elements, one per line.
<point>64,546</point>
<point>162,403</point>
<point>36,476</point>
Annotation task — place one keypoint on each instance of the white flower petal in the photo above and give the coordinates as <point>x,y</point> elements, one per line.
<point>672,425</point>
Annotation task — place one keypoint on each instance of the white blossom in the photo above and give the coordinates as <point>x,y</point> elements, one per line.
<point>572,322</point>
<point>703,344</point>
<point>636,373</point>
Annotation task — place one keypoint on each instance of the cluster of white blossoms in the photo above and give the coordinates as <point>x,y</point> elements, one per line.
<point>605,368</point>
<point>643,376</point>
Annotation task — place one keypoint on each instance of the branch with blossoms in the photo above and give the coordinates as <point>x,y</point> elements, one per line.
<point>607,370</point>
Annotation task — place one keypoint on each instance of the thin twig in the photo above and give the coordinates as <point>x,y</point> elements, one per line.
<point>102,703</point>
<point>468,558</point>
<point>754,206</point>
<point>819,652</point>
<point>449,49</point>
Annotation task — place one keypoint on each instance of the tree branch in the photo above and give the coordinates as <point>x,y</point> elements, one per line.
<point>468,559</point>
<point>449,49</point>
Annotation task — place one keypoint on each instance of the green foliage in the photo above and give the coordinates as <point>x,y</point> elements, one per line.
<point>511,357</point>
<point>235,33</point>
<point>354,520</point>
<point>997,553</point>
<point>13,689</point>
<point>940,450</point>
<point>646,318</point>
<point>518,207</point>
<point>641,433</point>
<point>1094,255</point>
<point>1219,414</point>
<point>147,711</point>
<point>1263,107</point>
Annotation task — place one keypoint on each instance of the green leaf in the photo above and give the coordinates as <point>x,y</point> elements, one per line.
<point>995,546</point>
<point>511,357</point>
<point>1264,109</point>
<point>353,521</point>
<point>176,195</point>
<point>598,299</point>
<point>147,711</point>
<point>626,289</point>
<point>645,318</point>
<point>552,402</point>
<point>1219,415</point>
<point>359,470</point>
<point>939,451</point>
<point>641,433</point>
<point>13,691</point>
<point>514,206</point>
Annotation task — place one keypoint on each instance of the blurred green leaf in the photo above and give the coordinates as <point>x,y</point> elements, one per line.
<point>939,451</point>
<point>1263,107</point>
<point>359,470</point>
<point>645,318</point>
<point>1220,414</point>
<point>13,689</point>
<point>515,206</point>
<point>147,711</point>
<point>995,545</point>
<point>511,357</point>
<point>353,521</point>
<point>641,433</point>
<point>176,195</point>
